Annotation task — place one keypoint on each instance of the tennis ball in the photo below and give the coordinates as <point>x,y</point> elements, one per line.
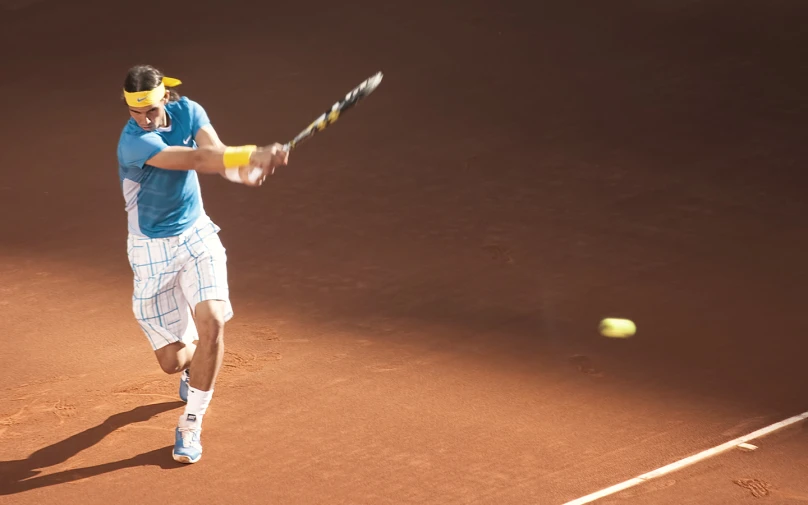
<point>617,328</point>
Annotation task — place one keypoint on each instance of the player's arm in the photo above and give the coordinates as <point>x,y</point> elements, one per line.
<point>212,156</point>
<point>234,163</point>
<point>207,160</point>
<point>206,136</point>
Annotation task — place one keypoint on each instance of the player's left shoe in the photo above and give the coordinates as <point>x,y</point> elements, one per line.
<point>185,378</point>
<point>187,443</point>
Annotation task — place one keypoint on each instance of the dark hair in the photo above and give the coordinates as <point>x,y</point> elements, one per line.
<point>146,78</point>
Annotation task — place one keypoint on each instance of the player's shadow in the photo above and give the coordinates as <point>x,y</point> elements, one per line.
<point>21,475</point>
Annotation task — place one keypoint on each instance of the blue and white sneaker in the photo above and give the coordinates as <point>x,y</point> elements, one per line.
<point>188,441</point>
<point>185,381</point>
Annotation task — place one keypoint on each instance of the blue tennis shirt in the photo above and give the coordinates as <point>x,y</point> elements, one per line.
<point>161,203</point>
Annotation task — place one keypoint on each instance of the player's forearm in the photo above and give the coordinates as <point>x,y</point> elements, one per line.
<point>214,159</point>
<point>217,159</point>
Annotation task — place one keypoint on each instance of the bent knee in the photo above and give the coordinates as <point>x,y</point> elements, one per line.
<point>170,364</point>
<point>210,318</point>
<point>173,358</point>
<point>170,368</point>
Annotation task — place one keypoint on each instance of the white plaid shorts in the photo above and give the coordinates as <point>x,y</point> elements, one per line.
<point>172,275</point>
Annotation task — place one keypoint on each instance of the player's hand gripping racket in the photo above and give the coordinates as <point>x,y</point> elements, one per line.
<point>330,116</point>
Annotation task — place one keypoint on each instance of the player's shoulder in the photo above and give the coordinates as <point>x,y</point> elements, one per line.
<point>183,104</point>
<point>134,141</point>
<point>185,110</point>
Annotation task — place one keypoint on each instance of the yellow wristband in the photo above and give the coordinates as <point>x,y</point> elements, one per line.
<point>235,157</point>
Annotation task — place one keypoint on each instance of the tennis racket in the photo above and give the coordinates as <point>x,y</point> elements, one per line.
<point>330,116</point>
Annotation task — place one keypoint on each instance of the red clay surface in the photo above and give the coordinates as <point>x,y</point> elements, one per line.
<point>417,294</point>
<point>773,473</point>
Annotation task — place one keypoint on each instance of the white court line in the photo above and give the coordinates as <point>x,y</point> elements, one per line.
<point>678,465</point>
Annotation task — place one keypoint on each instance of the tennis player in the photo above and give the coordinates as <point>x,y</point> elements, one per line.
<point>181,296</point>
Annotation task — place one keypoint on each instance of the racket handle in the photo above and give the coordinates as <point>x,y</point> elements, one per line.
<point>254,174</point>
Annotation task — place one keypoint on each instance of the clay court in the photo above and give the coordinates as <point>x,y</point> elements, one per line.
<point>417,294</point>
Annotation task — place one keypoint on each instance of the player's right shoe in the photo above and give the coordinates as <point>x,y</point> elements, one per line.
<point>187,442</point>
<point>185,378</point>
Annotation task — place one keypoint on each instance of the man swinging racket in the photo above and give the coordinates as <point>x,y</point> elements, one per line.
<point>181,295</point>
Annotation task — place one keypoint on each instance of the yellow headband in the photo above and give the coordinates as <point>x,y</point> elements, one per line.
<point>151,97</point>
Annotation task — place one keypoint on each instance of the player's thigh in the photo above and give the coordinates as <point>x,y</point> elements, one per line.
<point>158,303</point>
<point>204,280</point>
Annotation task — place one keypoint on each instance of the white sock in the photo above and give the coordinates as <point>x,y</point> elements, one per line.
<point>196,407</point>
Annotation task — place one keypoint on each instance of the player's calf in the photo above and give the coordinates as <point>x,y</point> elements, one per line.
<point>174,358</point>
<point>210,321</point>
